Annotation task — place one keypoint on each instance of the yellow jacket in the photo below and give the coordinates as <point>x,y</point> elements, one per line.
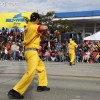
<point>31,36</point>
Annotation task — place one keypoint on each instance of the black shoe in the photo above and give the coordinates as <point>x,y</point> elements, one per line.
<point>70,64</point>
<point>42,88</point>
<point>14,94</point>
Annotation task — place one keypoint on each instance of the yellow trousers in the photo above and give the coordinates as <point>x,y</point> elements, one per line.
<point>72,57</point>
<point>33,63</point>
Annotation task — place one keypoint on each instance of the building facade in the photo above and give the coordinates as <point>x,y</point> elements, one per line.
<point>86,22</point>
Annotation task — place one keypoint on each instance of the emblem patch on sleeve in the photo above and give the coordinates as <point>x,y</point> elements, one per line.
<point>25,31</point>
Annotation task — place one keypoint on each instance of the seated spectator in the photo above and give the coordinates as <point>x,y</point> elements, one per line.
<point>86,56</point>
<point>53,56</point>
<point>96,59</point>
<point>47,55</point>
<point>61,55</point>
<point>93,55</point>
<point>57,56</point>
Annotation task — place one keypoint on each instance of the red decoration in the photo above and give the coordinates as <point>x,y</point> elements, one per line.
<point>88,41</point>
<point>58,33</point>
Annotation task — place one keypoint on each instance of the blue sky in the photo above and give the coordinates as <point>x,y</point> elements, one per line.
<point>44,6</point>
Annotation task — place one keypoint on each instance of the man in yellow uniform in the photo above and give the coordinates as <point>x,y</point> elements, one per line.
<point>71,51</point>
<point>32,44</point>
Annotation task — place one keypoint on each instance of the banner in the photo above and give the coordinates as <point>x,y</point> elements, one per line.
<point>9,20</point>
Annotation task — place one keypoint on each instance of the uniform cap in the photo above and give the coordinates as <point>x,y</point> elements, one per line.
<point>34,16</point>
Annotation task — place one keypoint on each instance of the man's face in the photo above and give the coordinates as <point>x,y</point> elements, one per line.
<point>37,21</point>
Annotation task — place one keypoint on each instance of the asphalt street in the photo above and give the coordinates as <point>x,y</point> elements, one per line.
<point>79,82</point>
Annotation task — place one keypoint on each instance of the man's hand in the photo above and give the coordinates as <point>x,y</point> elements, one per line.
<point>43,32</point>
<point>43,35</point>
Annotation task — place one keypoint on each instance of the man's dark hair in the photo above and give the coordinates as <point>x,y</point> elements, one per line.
<point>34,16</point>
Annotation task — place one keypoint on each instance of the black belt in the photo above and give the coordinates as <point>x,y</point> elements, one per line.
<point>26,49</point>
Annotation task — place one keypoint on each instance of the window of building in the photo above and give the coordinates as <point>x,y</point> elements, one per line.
<point>78,28</point>
<point>89,28</point>
<point>97,27</point>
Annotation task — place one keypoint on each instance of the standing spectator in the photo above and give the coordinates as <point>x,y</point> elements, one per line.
<point>65,48</point>
<point>20,57</point>
<point>9,54</point>
<point>3,31</point>
<point>6,54</point>
<point>8,46</point>
<point>77,56</point>
<point>13,50</point>
<point>17,51</point>
<point>3,53</point>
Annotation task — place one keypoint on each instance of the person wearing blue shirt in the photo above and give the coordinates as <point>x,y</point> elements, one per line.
<point>58,46</point>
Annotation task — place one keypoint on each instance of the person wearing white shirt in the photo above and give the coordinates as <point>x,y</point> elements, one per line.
<point>13,49</point>
<point>6,54</point>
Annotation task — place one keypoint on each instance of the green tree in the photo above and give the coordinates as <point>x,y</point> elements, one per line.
<point>61,25</point>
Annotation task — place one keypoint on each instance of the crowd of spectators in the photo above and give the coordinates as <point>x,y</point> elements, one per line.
<point>11,48</point>
<point>85,52</point>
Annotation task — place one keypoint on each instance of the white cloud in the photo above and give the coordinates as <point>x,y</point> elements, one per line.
<point>44,6</point>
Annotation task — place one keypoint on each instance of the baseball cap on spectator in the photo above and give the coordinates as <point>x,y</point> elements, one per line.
<point>34,16</point>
